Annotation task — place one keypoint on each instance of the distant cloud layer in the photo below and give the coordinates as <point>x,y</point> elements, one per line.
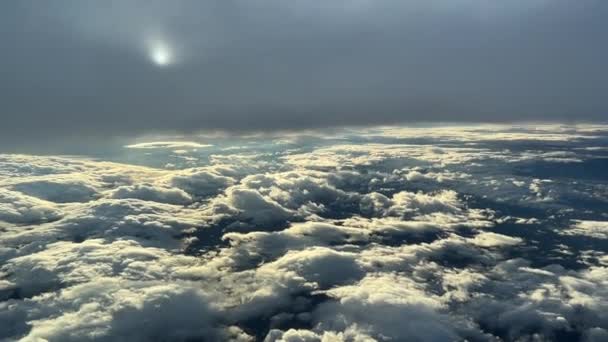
<point>130,67</point>
<point>478,233</point>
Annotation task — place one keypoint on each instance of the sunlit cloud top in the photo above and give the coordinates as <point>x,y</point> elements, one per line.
<point>167,145</point>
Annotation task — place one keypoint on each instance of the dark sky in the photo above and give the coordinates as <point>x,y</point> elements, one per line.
<point>86,68</point>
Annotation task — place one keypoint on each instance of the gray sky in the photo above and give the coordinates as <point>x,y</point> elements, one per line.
<point>104,68</point>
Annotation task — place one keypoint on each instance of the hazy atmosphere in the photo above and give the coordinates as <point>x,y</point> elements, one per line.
<point>83,68</point>
<point>304,170</point>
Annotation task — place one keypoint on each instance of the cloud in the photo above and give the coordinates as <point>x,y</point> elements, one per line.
<point>356,63</point>
<point>18,208</point>
<point>323,266</point>
<point>386,304</point>
<point>200,182</point>
<point>58,192</point>
<point>495,240</point>
<point>594,229</point>
<point>167,145</point>
<point>311,238</point>
<point>135,313</point>
<point>150,193</point>
<point>548,301</point>
<point>251,205</point>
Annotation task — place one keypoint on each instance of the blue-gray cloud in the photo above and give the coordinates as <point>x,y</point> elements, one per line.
<point>72,68</point>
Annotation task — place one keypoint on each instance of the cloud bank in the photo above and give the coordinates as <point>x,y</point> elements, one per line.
<point>498,236</point>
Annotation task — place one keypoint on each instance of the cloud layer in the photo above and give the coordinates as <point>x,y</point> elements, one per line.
<point>373,235</point>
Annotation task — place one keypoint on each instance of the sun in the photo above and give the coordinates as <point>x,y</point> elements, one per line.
<point>161,54</point>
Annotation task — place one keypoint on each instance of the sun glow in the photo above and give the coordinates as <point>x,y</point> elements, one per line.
<point>161,54</point>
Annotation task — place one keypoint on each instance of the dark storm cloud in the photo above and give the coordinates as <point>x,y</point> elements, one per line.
<point>83,68</point>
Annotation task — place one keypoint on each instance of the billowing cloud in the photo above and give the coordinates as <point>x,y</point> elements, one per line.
<point>17,208</point>
<point>151,193</point>
<point>376,234</point>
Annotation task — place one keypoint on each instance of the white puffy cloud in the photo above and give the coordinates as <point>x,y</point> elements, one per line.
<point>152,193</point>
<point>59,192</point>
<point>117,310</point>
<point>370,235</point>
<point>65,263</point>
<point>322,266</point>
<point>200,182</point>
<point>487,239</point>
<point>19,165</point>
<point>168,145</point>
<point>386,305</point>
<point>250,206</point>
<point>594,229</point>
<point>544,302</point>
<point>18,208</point>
